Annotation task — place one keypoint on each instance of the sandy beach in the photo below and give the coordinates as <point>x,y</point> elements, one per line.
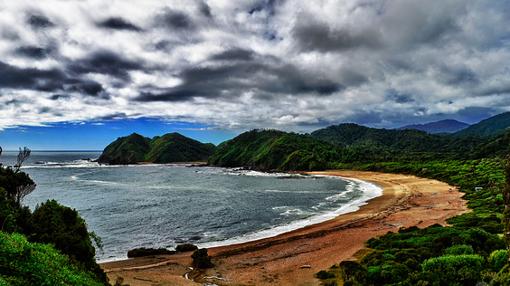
<point>293,258</point>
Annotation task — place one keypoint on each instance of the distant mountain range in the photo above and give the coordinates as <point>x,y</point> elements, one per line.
<point>329,147</point>
<point>438,127</point>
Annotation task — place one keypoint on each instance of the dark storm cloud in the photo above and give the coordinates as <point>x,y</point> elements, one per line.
<point>174,20</point>
<point>59,96</point>
<point>44,80</point>
<point>39,21</point>
<point>398,97</point>
<point>30,78</point>
<point>84,86</point>
<point>235,78</point>
<point>34,52</point>
<point>117,23</point>
<point>105,62</point>
<point>458,77</point>
<point>236,54</point>
<point>318,36</point>
<point>205,9</point>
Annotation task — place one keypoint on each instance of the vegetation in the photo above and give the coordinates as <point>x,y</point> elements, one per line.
<point>50,246</point>
<point>490,127</point>
<point>201,259</point>
<point>26,263</point>
<point>169,148</point>
<point>468,252</point>
<point>350,143</point>
<point>274,150</point>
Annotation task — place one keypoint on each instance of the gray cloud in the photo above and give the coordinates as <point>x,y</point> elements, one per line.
<point>105,62</point>
<point>117,23</point>
<point>247,72</point>
<point>317,36</point>
<point>32,52</point>
<point>175,20</point>
<point>39,21</point>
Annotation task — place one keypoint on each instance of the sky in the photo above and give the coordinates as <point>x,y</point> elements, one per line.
<point>78,74</point>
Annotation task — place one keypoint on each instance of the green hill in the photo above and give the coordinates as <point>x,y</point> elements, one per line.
<point>126,150</point>
<point>492,126</point>
<point>174,147</point>
<point>169,148</point>
<point>274,150</point>
<point>350,134</point>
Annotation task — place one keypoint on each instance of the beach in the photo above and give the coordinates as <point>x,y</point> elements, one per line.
<point>294,257</point>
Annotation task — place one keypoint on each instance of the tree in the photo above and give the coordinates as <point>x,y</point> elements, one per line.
<point>17,184</point>
<point>201,259</point>
<point>22,157</point>
<point>64,228</point>
<point>506,212</point>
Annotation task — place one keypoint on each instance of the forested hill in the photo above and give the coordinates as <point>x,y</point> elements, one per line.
<point>169,148</point>
<point>275,150</point>
<point>350,143</point>
<point>490,127</point>
<point>350,134</point>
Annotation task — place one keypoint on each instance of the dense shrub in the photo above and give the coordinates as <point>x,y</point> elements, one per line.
<point>66,230</point>
<point>24,263</point>
<point>498,259</point>
<point>453,269</point>
<point>201,260</point>
<point>459,250</point>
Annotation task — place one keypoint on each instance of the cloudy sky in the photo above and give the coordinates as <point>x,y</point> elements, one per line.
<point>227,66</point>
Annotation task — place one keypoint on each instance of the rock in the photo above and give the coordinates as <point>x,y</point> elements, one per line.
<point>186,247</point>
<point>142,251</point>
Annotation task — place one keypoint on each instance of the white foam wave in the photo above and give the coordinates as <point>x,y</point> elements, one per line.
<point>252,173</point>
<point>369,191</point>
<point>92,164</point>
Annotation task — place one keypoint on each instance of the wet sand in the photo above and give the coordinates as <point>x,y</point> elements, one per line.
<point>294,257</point>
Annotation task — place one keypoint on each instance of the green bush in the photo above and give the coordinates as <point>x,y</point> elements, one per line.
<point>453,269</point>
<point>498,259</point>
<point>459,250</point>
<point>24,263</point>
<point>63,227</point>
<point>201,260</point>
<point>324,275</point>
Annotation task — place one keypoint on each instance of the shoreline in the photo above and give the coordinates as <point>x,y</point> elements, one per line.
<point>292,258</point>
<point>369,191</point>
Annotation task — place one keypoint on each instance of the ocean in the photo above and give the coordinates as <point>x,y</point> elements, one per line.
<point>165,205</point>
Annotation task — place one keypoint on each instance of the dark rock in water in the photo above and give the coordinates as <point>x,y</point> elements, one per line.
<point>195,238</point>
<point>142,251</point>
<point>186,247</point>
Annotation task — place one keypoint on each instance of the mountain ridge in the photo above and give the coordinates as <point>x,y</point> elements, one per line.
<point>438,127</point>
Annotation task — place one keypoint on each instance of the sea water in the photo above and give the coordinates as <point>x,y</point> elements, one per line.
<point>165,205</point>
